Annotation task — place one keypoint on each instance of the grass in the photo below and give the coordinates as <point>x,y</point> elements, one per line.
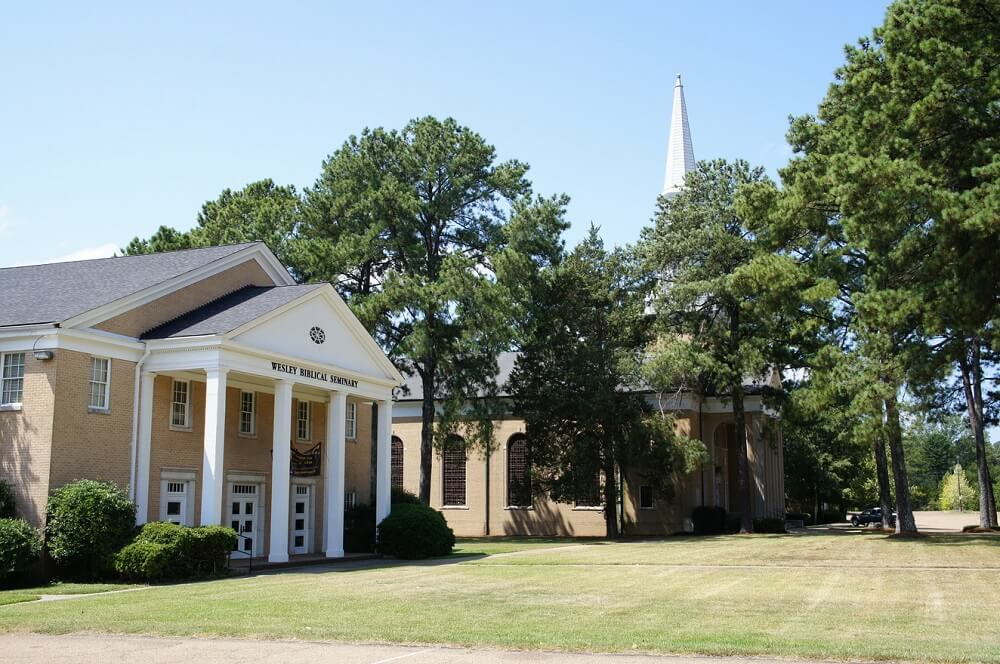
<point>19,595</point>
<point>471,546</point>
<point>848,596</point>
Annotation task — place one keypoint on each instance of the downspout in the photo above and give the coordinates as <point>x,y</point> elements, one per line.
<point>701,435</point>
<point>489,455</point>
<point>135,423</point>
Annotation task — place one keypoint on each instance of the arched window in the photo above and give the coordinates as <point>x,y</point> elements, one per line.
<point>453,473</point>
<point>518,473</point>
<point>396,463</point>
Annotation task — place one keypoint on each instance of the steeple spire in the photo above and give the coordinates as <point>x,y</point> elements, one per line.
<point>680,153</point>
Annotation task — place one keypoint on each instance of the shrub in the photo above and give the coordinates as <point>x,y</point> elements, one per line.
<point>415,531</point>
<point>708,520</point>
<point>359,529</point>
<point>829,517</point>
<point>404,497</point>
<point>208,549</point>
<point>19,549</point>
<point>168,551</point>
<point>144,560</point>
<point>87,522</point>
<point>804,517</point>
<point>6,501</point>
<point>769,525</point>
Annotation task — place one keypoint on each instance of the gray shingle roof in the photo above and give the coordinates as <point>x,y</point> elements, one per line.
<point>505,364</point>
<point>55,292</point>
<point>230,311</point>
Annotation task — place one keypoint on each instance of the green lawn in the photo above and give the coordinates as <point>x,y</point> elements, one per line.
<point>861,596</point>
<point>31,594</point>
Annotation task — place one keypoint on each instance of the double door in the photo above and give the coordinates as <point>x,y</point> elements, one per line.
<point>245,502</point>
<point>244,518</point>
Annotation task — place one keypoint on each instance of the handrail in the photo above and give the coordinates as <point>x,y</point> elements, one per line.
<point>241,536</point>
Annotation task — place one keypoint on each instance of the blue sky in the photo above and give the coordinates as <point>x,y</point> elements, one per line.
<point>115,119</point>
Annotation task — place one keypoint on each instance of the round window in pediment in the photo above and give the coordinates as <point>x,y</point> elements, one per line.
<point>317,334</point>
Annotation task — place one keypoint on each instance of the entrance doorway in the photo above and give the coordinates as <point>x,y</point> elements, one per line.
<point>244,517</point>
<point>300,519</point>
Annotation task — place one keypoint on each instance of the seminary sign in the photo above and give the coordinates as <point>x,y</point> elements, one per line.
<point>312,374</point>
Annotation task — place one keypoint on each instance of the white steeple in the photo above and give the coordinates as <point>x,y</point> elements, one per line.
<point>680,153</point>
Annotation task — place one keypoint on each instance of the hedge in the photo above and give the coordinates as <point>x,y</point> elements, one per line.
<point>415,531</point>
<point>87,522</point>
<point>6,501</point>
<point>19,549</point>
<point>708,520</point>
<point>167,551</point>
<point>769,525</point>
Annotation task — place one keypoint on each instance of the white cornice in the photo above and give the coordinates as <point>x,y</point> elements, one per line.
<point>93,342</point>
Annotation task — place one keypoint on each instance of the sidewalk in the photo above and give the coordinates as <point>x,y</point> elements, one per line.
<point>101,649</point>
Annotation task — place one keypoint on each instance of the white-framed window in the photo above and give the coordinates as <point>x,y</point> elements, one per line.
<point>180,404</point>
<point>11,379</point>
<point>303,420</point>
<point>646,501</point>
<point>248,413</point>
<point>100,383</point>
<point>351,425</point>
<point>350,499</point>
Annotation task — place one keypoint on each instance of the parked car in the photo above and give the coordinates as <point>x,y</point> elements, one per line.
<point>872,515</point>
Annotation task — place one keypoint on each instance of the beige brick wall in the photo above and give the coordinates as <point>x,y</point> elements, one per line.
<point>545,518</point>
<point>26,439</point>
<point>86,444</point>
<point>550,518</point>
<point>136,321</point>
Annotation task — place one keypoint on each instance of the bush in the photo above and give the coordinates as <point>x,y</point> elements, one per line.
<point>19,549</point>
<point>359,529</point>
<point>404,497</point>
<point>769,525</point>
<point>708,520</point>
<point>208,549</point>
<point>87,522</point>
<point>6,501</point>
<point>144,561</point>
<point>415,531</point>
<point>168,551</point>
<point>829,517</point>
<point>804,517</point>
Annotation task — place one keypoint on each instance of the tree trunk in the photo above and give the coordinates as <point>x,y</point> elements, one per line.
<point>971,368</point>
<point>427,432</point>
<point>742,463</point>
<point>905,523</point>
<point>610,501</point>
<point>882,473</point>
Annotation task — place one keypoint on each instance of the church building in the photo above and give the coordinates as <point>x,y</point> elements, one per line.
<point>487,496</point>
<point>216,390</point>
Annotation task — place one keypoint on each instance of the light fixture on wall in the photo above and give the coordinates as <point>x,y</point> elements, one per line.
<point>41,354</point>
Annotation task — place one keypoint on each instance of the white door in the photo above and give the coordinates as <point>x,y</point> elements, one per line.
<point>175,497</point>
<point>244,503</point>
<point>300,519</point>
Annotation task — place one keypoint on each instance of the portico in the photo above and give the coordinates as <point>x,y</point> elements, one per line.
<point>266,404</point>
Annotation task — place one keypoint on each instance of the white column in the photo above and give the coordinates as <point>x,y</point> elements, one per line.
<point>212,473</point>
<point>383,470</point>
<point>333,476</point>
<point>281,459</point>
<point>145,444</point>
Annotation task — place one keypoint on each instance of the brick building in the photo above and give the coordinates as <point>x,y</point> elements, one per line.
<point>205,382</point>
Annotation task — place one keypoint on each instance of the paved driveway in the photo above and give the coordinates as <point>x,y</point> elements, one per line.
<point>97,649</point>
<point>945,522</point>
